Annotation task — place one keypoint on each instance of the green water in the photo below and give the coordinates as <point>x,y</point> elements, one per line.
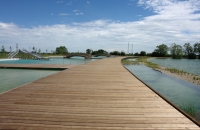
<point>188,65</point>
<point>12,78</point>
<point>175,90</point>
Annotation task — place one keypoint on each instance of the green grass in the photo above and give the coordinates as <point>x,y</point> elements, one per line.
<point>140,60</point>
<point>173,70</point>
<point>3,55</point>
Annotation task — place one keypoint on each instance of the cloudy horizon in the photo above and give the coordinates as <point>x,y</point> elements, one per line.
<point>155,22</point>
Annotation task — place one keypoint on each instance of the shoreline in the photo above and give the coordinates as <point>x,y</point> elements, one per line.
<point>186,77</point>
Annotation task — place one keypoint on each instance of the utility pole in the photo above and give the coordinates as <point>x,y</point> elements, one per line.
<point>132,49</point>
<point>128,48</point>
<point>16,46</point>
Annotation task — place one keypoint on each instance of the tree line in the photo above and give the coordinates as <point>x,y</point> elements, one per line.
<point>178,51</point>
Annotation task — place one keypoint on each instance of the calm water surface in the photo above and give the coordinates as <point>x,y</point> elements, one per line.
<point>11,78</point>
<point>73,60</point>
<point>174,89</point>
<point>188,65</point>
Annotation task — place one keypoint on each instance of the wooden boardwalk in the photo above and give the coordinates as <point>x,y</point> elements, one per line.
<point>97,95</point>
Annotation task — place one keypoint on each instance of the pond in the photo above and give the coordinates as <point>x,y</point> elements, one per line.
<point>55,60</point>
<point>12,78</point>
<point>175,90</point>
<point>188,65</point>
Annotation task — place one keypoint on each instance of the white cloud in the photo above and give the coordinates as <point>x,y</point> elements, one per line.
<point>64,14</point>
<point>174,22</point>
<point>59,2</point>
<point>75,10</point>
<point>79,13</point>
<point>69,3</point>
<point>88,2</point>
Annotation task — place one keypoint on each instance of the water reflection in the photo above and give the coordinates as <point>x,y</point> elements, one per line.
<point>174,89</point>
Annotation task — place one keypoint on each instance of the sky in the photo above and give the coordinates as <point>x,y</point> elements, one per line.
<point>98,24</point>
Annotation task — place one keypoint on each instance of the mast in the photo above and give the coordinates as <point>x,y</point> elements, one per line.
<point>16,46</point>
<point>132,49</point>
<point>128,48</point>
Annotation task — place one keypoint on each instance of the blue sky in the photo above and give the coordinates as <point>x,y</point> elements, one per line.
<point>98,24</point>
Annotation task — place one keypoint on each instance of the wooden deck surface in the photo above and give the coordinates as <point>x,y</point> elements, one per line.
<point>97,95</point>
<point>36,66</point>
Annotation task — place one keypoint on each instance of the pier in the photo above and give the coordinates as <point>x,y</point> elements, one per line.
<point>96,95</point>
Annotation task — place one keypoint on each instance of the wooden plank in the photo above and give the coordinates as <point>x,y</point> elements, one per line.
<point>96,95</point>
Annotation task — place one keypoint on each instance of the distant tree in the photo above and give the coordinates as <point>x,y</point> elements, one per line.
<point>61,50</point>
<point>197,48</point>
<point>149,54</point>
<point>88,51</point>
<point>156,54</point>
<point>10,49</point>
<point>161,50</point>
<point>123,53</point>
<point>176,51</point>
<point>33,49</point>
<point>100,51</point>
<point>3,49</point>
<point>39,51</point>
<point>115,53</point>
<point>142,53</point>
<point>136,54</point>
<point>189,51</point>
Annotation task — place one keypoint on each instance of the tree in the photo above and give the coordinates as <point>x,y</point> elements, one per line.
<point>142,53</point>
<point>100,51</point>
<point>3,49</point>
<point>10,49</point>
<point>162,50</point>
<point>197,48</point>
<point>88,51</point>
<point>39,51</point>
<point>123,53</point>
<point>176,51</point>
<point>136,54</point>
<point>33,49</point>
<point>115,53</point>
<point>189,51</point>
<point>61,50</point>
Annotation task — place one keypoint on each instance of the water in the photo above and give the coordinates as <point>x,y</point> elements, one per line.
<point>12,78</point>
<point>57,60</point>
<point>175,90</point>
<point>132,59</point>
<point>188,65</point>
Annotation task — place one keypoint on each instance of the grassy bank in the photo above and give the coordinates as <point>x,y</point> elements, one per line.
<point>171,71</point>
<point>140,60</point>
<point>2,56</point>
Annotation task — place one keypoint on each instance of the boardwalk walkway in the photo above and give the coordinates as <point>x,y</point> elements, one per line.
<point>97,95</point>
